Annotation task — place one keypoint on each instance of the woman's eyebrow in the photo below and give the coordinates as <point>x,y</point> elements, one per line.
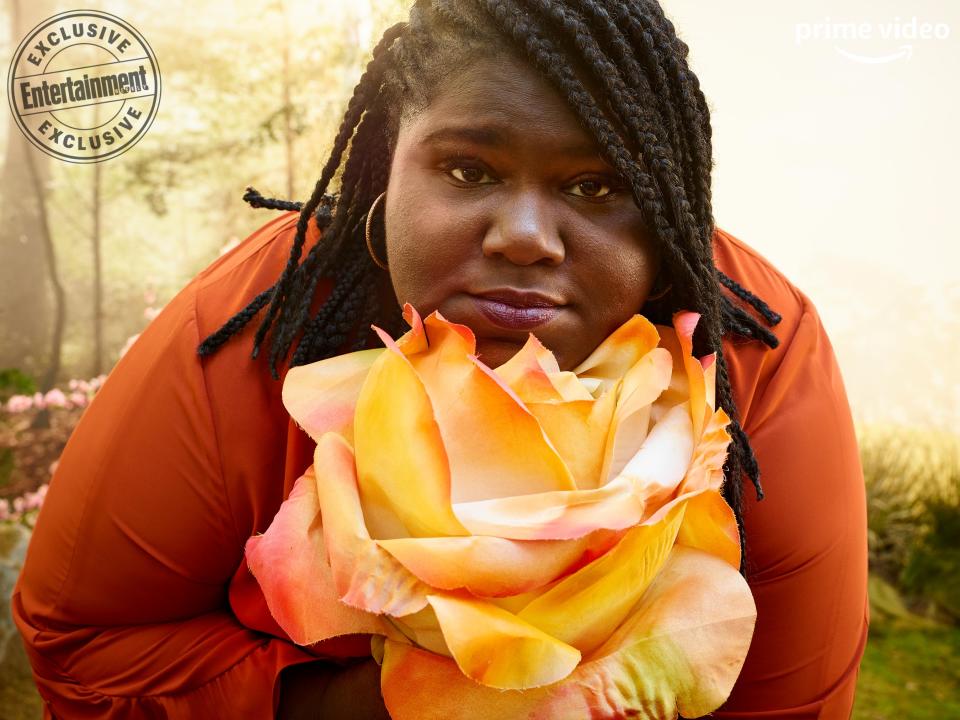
<point>480,135</point>
<point>496,137</point>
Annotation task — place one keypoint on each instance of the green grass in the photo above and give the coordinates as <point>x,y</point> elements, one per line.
<point>910,675</point>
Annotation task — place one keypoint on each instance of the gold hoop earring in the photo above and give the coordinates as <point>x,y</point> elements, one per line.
<point>661,293</point>
<point>367,233</point>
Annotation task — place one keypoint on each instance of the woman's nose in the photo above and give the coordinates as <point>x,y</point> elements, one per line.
<point>525,231</point>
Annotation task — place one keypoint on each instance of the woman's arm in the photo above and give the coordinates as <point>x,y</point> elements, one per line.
<point>807,540</point>
<point>122,598</point>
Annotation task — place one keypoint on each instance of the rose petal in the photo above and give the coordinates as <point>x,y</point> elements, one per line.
<point>709,363</point>
<point>646,482</point>
<point>420,685</point>
<point>422,629</point>
<point>706,466</point>
<point>404,477</point>
<point>415,339</point>
<point>687,383</point>
<point>680,651</point>
<point>641,386</point>
<point>534,375</point>
<point>561,515</point>
<point>619,352</point>
<point>710,525</point>
<point>289,562</point>
<point>322,396</point>
<point>688,636</point>
<point>662,462</point>
<point>584,608</point>
<point>491,566</point>
<point>578,430</point>
<point>496,648</point>
<point>494,445</point>
<point>365,575</point>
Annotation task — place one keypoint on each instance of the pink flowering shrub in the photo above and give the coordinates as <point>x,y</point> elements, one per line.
<point>20,507</point>
<point>81,391</point>
<point>30,453</point>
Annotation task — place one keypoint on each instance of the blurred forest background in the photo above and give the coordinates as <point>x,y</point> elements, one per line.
<point>841,174</point>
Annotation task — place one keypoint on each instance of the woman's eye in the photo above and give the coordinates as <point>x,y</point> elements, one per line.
<point>469,175</point>
<point>591,189</point>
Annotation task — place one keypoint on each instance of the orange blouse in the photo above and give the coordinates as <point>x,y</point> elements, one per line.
<point>135,601</point>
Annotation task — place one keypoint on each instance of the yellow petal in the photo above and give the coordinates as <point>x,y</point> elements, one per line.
<point>415,339</point>
<point>578,430</point>
<point>365,575</point>
<point>710,525</point>
<point>402,466</point>
<point>420,685</point>
<point>560,515</point>
<point>492,566</point>
<point>660,465</point>
<point>648,480</point>
<point>534,375</point>
<point>685,641</point>
<point>494,647</point>
<point>493,444</point>
<point>681,650</point>
<point>619,352</point>
<point>422,629</point>
<point>688,381</point>
<point>289,562</point>
<point>706,466</point>
<point>322,396</point>
<point>709,363</point>
<point>584,608</point>
<point>641,386</point>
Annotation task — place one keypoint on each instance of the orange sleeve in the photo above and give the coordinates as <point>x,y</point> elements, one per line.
<point>807,540</point>
<point>122,602</point>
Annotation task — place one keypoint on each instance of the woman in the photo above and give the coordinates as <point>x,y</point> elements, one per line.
<point>520,165</point>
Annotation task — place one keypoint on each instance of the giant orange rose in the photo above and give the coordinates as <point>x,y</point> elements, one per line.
<point>519,541</point>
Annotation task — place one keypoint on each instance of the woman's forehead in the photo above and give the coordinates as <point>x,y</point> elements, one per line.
<point>499,102</point>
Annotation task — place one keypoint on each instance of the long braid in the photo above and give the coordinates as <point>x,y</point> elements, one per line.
<point>633,107</point>
<point>256,200</point>
<point>235,324</point>
<point>635,115</point>
<point>654,31</point>
<point>319,204</point>
<point>240,320</point>
<point>516,23</point>
<point>369,84</point>
<point>635,94</point>
<point>610,30</point>
<point>318,329</point>
<point>769,315</point>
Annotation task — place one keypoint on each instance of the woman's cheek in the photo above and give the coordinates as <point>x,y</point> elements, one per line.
<point>428,253</point>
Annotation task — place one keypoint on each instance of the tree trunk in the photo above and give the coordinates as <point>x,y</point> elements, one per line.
<point>49,378</point>
<point>25,304</point>
<point>95,239</point>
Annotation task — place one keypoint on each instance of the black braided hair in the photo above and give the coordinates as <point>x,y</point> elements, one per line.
<point>623,70</point>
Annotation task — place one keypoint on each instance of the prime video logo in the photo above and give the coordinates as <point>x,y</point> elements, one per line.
<point>892,31</point>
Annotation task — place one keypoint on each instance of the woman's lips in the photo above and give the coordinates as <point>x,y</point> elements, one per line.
<point>514,317</point>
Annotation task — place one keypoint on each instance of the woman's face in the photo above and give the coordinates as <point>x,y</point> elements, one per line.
<point>501,214</point>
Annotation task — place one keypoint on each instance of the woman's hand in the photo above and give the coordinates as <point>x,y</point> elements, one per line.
<point>322,690</point>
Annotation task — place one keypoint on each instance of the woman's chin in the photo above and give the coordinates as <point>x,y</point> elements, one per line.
<point>494,352</point>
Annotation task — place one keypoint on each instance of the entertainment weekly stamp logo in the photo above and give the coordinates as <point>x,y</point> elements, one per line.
<point>84,86</point>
